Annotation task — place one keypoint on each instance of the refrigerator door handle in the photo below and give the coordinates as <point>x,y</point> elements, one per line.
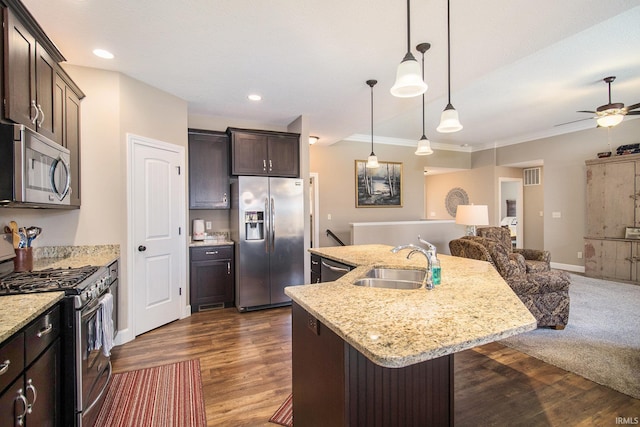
<point>268,225</point>
<point>273,225</point>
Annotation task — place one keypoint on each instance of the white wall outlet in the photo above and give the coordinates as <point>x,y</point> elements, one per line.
<point>329,217</point>
<point>433,214</point>
<point>556,214</point>
<point>541,213</point>
<point>207,225</point>
<point>579,255</point>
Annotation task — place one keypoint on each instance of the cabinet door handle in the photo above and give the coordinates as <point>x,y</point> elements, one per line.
<point>41,113</point>
<point>21,397</point>
<point>4,366</point>
<point>314,262</point>
<point>31,387</point>
<point>44,331</point>
<point>264,165</point>
<point>224,198</point>
<point>336,269</point>
<point>270,165</point>
<point>211,253</point>
<point>228,267</point>
<point>35,107</point>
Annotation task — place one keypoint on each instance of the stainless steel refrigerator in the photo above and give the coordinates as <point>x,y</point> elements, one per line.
<point>267,225</point>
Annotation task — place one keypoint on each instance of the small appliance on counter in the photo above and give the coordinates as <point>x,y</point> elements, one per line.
<point>198,229</point>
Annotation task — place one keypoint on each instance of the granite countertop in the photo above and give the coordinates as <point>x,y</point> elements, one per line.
<point>16,311</point>
<point>395,328</point>
<point>210,242</point>
<point>74,256</point>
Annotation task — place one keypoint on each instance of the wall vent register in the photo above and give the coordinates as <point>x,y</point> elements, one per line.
<point>532,176</point>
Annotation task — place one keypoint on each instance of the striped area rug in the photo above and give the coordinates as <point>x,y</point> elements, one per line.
<point>284,414</point>
<point>164,396</point>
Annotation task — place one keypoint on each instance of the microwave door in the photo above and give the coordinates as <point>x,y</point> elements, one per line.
<point>60,178</point>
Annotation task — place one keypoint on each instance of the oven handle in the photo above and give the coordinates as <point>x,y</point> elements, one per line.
<point>90,312</point>
<point>104,389</point>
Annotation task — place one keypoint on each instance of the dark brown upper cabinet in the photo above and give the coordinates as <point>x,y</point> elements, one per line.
<point>208,169</point>
<point>264,153</point>
<point>29,79</point>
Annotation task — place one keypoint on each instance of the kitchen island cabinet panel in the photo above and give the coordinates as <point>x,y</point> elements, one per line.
<point>334,384</point>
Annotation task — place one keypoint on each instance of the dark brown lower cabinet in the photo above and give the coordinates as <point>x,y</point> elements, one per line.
<point>212,277</point>
<point>336,385</point>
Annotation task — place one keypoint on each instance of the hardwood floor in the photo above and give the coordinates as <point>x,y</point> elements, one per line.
<point>246,375</point>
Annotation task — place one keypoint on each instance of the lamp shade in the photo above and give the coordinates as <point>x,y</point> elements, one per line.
<point>609,120</point>
<point>472,215</point>
<point>449,121</point>
<point>424,147</point>
<point>409,82</point>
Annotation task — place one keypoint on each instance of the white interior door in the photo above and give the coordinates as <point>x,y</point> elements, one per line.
<point>157,190</point>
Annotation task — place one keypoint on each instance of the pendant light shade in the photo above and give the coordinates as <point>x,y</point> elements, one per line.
<point>408,83</point>
<point>449,121</point>
<point>372,160</point>
<point>424,146</point>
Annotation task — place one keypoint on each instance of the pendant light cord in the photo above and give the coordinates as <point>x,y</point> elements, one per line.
<point>448,53</point>
<point>423,95</point>
<point>371,119</point>
<point>409,26</point>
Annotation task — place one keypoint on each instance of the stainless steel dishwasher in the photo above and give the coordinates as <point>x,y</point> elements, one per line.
<point>332,270</point>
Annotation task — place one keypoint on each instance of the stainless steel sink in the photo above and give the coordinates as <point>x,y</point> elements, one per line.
<point>387,283</point>
<point>396,274</point>
<point>392,278</point>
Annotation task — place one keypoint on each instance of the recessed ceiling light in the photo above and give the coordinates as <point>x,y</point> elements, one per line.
<point>105,54</point>
<point>255,97</point>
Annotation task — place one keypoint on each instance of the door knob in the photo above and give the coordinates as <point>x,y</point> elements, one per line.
<point>142,248</point>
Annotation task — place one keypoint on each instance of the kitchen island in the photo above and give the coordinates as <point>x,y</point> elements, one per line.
<point>369,356</point>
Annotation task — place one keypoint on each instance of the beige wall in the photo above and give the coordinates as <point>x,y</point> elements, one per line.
<point>335,166</point>
<point>533,221</point>
<point>114,105</point>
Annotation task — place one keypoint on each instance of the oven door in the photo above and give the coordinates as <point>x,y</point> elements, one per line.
<point>94,367</point>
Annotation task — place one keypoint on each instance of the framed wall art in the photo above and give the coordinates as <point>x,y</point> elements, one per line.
<point>380,187</point>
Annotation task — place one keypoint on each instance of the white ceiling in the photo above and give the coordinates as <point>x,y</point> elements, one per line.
<point>519,67</point>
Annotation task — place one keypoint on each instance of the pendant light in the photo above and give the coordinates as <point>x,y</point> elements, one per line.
<point>372,161</point>
<point>408,81</point>
<point>449,121</point>
<point>424,146</point>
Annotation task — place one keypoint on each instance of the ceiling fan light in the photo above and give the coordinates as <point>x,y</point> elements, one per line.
<point>409,82</point>
<point>449,121</point>
<point>424,147</point>
<point>609,120</point>
<point>372,161</point>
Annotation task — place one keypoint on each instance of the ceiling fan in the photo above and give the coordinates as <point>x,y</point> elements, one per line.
<point>612,113</point>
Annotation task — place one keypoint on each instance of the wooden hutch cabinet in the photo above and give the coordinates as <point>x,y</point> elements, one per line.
<point>613,193</point>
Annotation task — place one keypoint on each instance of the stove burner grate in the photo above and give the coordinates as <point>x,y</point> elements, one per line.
<point>45,280</point>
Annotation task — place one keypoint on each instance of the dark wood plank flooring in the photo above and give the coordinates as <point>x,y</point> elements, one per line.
<point>246,374</point>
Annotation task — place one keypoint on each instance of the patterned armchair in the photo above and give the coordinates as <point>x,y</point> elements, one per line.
<point>545,294</point>
<point>535,260</point>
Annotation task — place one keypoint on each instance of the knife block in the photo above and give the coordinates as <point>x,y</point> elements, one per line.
<point>23,260</point>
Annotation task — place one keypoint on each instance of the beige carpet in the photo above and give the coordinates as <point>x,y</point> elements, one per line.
<point>601,341</point>
<point>167,396</point>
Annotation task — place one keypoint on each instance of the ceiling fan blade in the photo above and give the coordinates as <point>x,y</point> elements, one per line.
<point>633,107</point>
<point>583,111</point>
<point>633,113</point>
<point>573,121</point>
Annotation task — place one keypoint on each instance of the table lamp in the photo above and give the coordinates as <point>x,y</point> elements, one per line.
<point>472,216</point>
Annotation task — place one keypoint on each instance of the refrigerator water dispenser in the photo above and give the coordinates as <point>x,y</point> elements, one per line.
<point>254,225</point>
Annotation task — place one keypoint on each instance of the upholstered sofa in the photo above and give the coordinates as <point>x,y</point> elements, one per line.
<point>535,260</point>
<point>545,294</point>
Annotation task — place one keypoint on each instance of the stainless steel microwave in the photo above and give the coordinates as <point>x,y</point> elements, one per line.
<point>34,171</point>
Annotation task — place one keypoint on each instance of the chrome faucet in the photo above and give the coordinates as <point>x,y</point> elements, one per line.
<point>432,247</point>
<point>427,282</point>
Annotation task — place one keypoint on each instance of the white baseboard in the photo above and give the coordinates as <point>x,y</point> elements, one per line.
<point>568,267</point>
<point>123,337</point>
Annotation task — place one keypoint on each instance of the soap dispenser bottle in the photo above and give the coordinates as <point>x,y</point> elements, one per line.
<point>436,275</point>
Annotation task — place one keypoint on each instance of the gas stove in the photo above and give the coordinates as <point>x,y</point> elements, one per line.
<point>85,283</point>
